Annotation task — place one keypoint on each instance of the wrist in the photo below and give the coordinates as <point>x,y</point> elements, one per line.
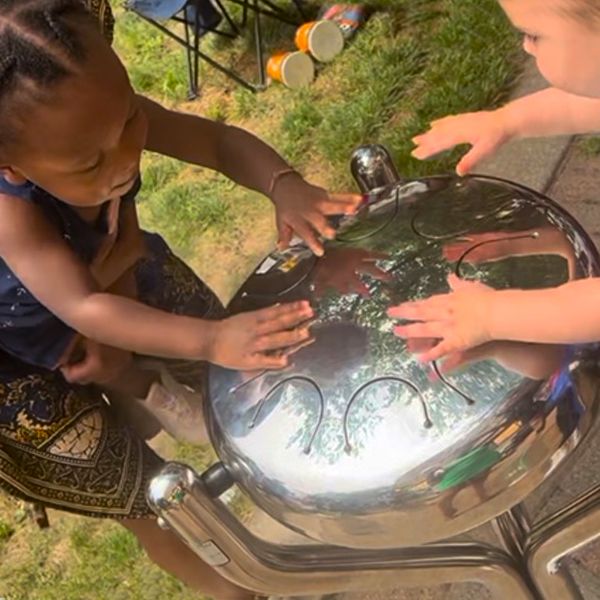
<point>206,340</point>
<point>504,310</point>
<point>281,179</point>
<point>492,315</point>
<point>511,119</point>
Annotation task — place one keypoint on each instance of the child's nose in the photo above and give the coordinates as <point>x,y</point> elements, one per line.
<point>529,46</point>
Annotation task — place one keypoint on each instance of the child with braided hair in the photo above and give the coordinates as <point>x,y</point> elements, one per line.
<point>84,292</point>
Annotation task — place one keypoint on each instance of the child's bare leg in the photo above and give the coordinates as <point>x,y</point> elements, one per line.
<point>165,549</point>
<point>134,381</point>
<point>124,390</point>
<point>166,403</point>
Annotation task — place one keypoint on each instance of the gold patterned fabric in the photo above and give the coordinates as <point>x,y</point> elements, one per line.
<point>63,445</point>
<point>101,9</point>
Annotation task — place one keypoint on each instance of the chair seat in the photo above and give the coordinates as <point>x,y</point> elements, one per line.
<point>158,10</point>
<point>200,17</point>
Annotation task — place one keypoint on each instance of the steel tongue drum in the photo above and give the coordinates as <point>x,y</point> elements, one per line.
<point>357,443</point>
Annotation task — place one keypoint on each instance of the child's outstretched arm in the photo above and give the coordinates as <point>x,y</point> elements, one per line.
<point>548,112</point>
<point>473,314</point>
<point>301,207</point>
<point>51,271</point>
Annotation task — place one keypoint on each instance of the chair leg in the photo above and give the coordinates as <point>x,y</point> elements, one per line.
<point>570,528</point>
<point>196,52</point>
<point>244,13</point>
<point>194,55</point>
<point>259,47</point>
<point>228,18</point>
<point>192,76</point>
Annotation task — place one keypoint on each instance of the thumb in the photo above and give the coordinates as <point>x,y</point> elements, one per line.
<point>456,283</point>
<point>76,372</point>
<point>478,152</point>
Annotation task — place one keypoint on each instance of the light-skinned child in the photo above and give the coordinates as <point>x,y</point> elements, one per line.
<point>84,292</point>
<point>564,38</point>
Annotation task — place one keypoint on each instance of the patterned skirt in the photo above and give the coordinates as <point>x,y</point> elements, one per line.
<point>63,445</point>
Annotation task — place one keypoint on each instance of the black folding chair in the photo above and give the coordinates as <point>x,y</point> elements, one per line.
<point>199,17</point>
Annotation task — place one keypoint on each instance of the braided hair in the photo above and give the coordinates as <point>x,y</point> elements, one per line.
<point>40,45</point>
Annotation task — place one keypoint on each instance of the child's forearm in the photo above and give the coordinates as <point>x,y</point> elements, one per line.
<point>236,153</point>
<point>551,112</point>
<point>123,323</point>
<point>536,361</point>
<point>564,315</point>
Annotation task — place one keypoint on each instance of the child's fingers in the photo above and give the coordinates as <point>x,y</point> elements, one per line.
<point>338,204</point>
<point>281,339</point>
<point>442,349</point>
<point>433,144</point>
<point>268,361</point>
<point>431,309</point>
<point>320,223</point>
<point>309,236</point>
<point>284,316</point>
<point>297,347</point>
<point>420,345</point>
<point>285,236</point>
<point>477,153</point>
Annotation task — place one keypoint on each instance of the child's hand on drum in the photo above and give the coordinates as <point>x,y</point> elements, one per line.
<point>254,340</point>
<point>457,321</point>
<point>302,208</point>
<point>485,131</point>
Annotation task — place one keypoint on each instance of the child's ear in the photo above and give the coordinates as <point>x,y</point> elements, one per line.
<point>13,175</point>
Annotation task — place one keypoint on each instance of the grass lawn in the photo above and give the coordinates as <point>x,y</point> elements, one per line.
<point>415,60</point>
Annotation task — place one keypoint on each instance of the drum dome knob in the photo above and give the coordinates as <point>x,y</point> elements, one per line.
<point>372,167</point>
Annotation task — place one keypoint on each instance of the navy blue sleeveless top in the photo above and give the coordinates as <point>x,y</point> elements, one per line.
<point>28,330</point>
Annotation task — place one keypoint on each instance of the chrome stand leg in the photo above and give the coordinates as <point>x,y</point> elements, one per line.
<point>558,535</point>
<point>185,504</point>
<point>512,528</point>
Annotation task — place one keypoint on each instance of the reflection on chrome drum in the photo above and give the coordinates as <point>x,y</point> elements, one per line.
<point>359,444</point>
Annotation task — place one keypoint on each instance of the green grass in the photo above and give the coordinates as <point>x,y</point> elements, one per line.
<point>81,559</point>
<point>414,61</point>
<point>590,145</point>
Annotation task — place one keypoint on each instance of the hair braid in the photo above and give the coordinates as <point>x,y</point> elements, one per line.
<point>39,46</point>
